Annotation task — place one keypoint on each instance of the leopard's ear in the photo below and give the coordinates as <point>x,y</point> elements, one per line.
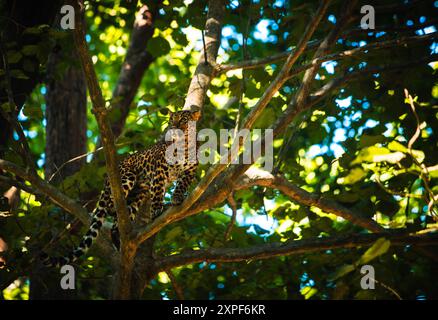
<point>196,112</point>
<point>166,111</point>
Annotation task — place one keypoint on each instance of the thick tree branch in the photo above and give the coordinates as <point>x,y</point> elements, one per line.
<point>204,72</point>
<point>127,247</point>
<point>42,186</point>
<point>266,97</point>
<point>7,182</point>
<point>100,112</point>
<point>254,176</point>
<point>300,99</point>
<point>292,247</point>
<point>226,182</point>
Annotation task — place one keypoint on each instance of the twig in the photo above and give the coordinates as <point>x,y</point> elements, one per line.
<point>73,160</point>
<point>233,206</point>
<point>424,174</point>
<point>388,288</point>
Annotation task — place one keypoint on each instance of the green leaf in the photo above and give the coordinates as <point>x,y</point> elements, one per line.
<point>379,247</point>
<point>369,140</point>
<point>57,34</point>
<point>377,154</point>
<point>433,173</point>
<point>355,175</point>
<point>308,292</point>
<point>347,197</point>
<point>397,146</point>
<point>342,271</point>
<point>158,46</point>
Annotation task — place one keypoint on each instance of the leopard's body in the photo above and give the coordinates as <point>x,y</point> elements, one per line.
<point>145,175</point>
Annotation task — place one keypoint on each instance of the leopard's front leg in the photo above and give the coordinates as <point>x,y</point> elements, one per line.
<point>182,185</point>
<point>157,191</point>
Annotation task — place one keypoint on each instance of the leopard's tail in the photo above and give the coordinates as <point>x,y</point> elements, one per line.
<point>85,244</point>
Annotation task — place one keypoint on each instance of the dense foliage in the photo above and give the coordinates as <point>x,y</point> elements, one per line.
<point>362,145</point>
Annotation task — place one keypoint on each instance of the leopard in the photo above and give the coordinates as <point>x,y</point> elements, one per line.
<point>145,176</point>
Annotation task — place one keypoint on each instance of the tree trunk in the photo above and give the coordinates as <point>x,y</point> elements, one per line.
<point>66,115</point>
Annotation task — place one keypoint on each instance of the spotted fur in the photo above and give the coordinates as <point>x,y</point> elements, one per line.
<point>145,175</point>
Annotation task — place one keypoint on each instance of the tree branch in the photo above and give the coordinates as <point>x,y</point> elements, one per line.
<point>179,292</point>
<point>99,110</point>
<point>293,247</point>
<point>127,247</point>
<point>261,62</point>
<point>233,206</point>
<point>42,186</point>
<point>355,51</point>
<point>7,182</point>
<point>254,176</point>
<point>205,71</point>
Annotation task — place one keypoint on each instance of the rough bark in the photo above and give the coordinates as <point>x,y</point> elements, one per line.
<point>66,116</point>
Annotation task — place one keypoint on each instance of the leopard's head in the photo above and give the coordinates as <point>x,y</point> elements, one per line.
<point>180,119</point>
